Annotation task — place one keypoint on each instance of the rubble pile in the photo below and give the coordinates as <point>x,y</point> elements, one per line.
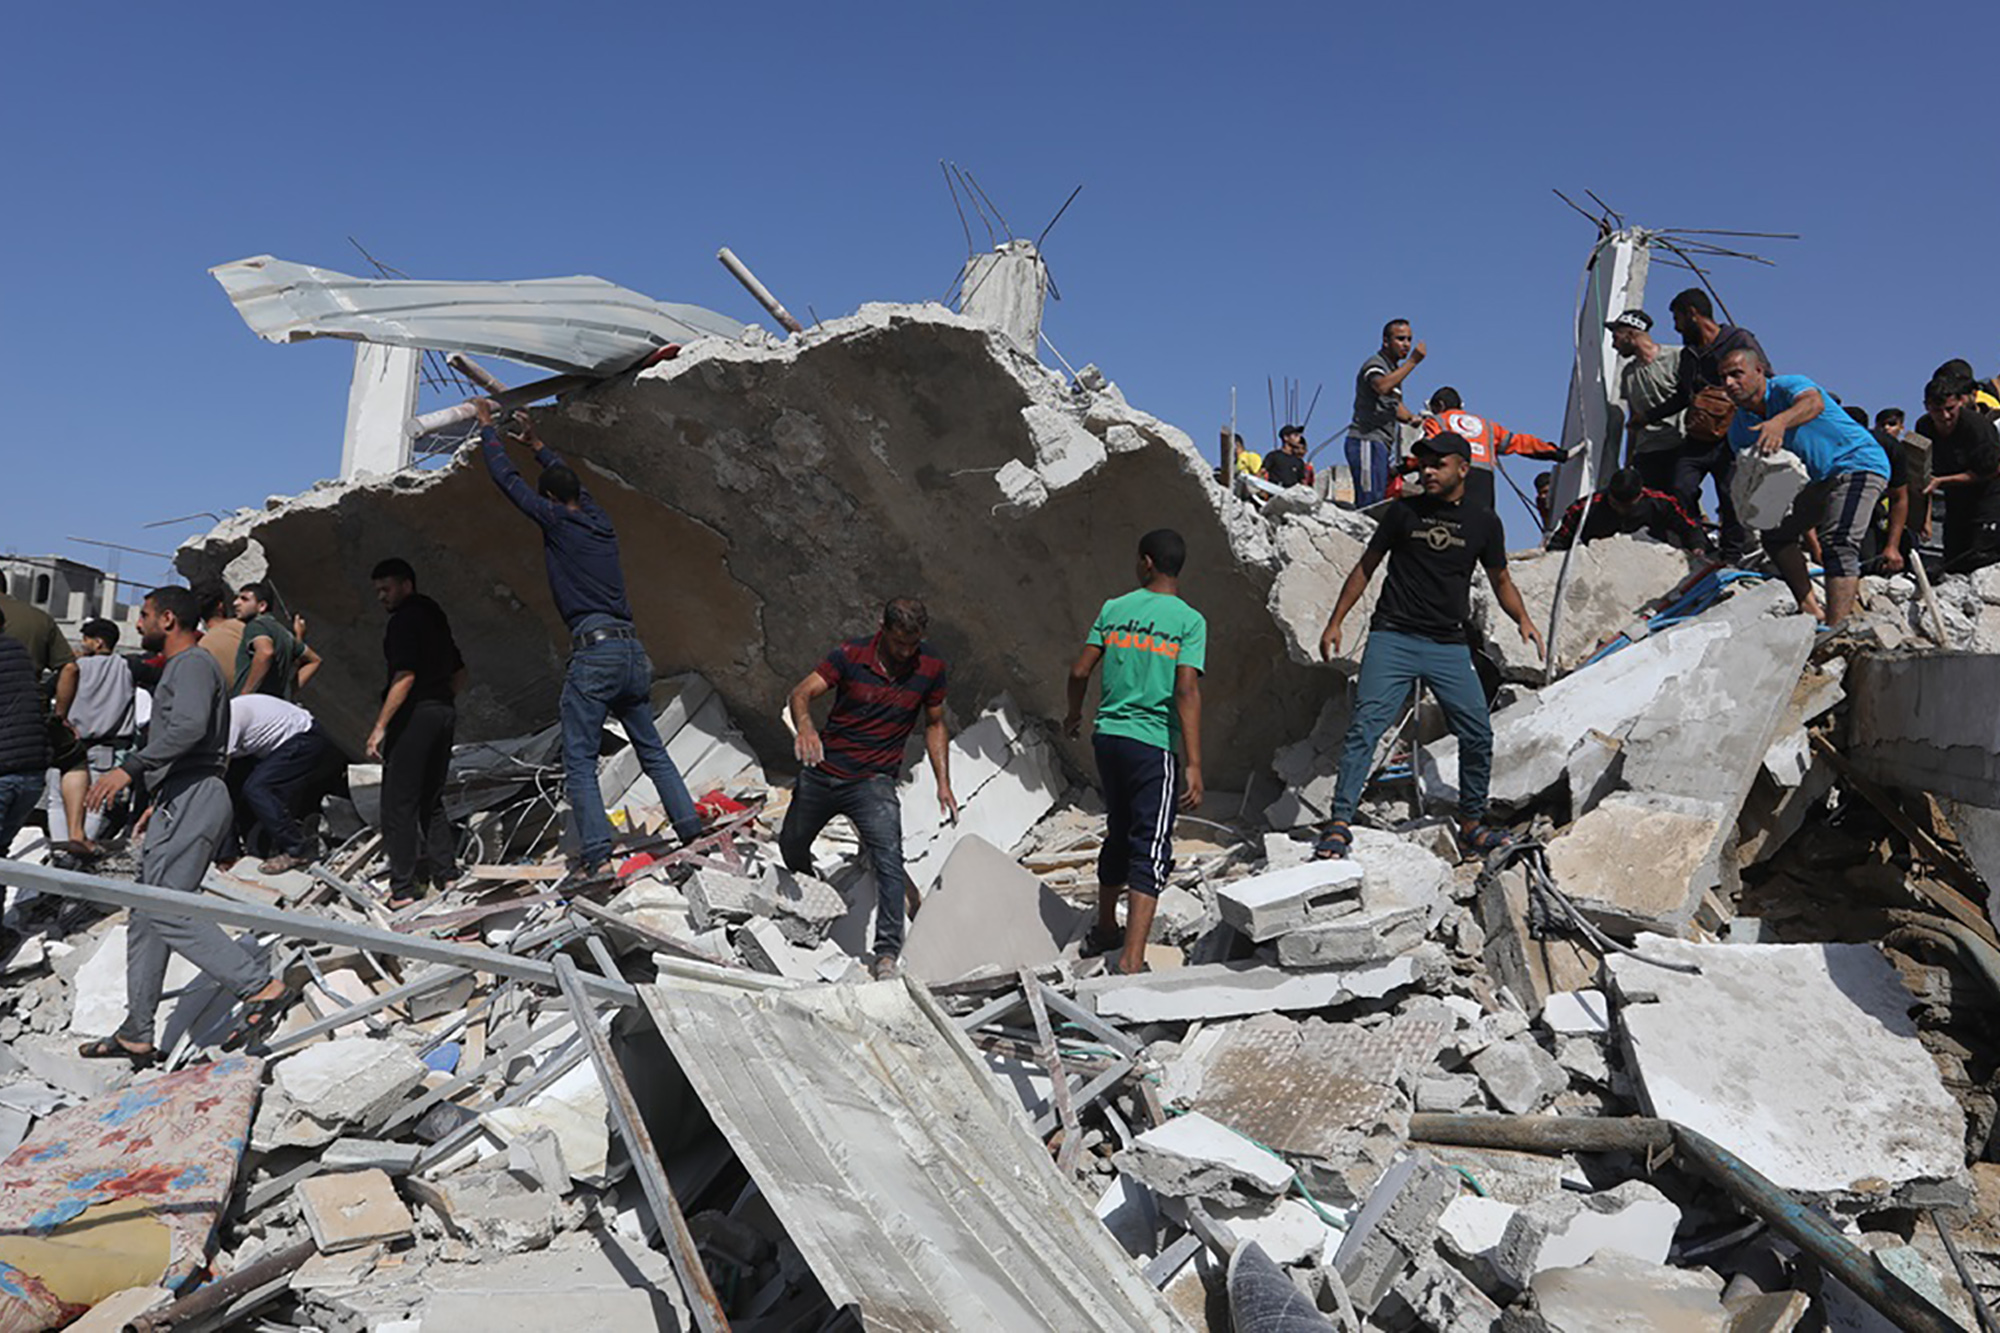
<point>1708,1046</point>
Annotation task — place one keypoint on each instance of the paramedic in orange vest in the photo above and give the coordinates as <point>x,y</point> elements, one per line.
<point>1487,438</point>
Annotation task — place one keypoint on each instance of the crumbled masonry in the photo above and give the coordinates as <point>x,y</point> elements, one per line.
<point>1407,1092</point>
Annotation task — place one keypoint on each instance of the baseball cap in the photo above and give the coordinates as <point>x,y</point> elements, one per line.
<point>1631,319</point>
<point>1443,443</point>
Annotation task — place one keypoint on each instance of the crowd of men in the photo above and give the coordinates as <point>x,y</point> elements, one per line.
<point>205,742</point>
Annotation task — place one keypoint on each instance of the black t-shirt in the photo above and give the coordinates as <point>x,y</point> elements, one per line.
<point>419,640</point>
<point>1283,469</point>
<point>1899,467</point>
<point>1433,547</point>
<point>1973,446</point>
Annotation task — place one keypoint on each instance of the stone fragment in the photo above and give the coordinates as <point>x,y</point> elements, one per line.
<point>1290,1232</point>
<point>1616,1293</point>
<point>1802,1059</point>
<point>1519,1075</point>
<point>805,908</point>
<point>350,1209</point>
<point>1448,1093</point>
<point>1394,1228</point>
<point>1609,582</point>
<point>1632,864</point>
<point>575,1111</point>
<point>1441,1299</point>
<point>1764,486</point>
<point>1583,1058</point>
<point>1282,851</point>
<point>1192,1156</point>
<point>1225,990</point>
<point>1578,1013</point>
<point>1567,1229</point>
<point>397,1159</point>
<point>1266,906</point>
<point>765,948</point>
<point>493,1208</point>
<point>716,897</point>
<point>350,1082</point>
<point>1471,1226</point>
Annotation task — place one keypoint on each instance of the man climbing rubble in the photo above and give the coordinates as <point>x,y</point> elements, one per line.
<point>1627,505</point>
<point>1154,648</point>
<point>189,815</point>
<point>879,685</point>
<point>609,672</point>
<point>1420,633</point>
<point>281,764</point>
<point>1846,472</point>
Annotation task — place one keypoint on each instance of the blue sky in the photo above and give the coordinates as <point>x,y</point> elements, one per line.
<point>1263,186</point>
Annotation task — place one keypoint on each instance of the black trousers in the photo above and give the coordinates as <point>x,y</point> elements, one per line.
<point>416,752</point>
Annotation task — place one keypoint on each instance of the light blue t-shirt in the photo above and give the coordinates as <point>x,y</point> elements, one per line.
<point>1830,444</point>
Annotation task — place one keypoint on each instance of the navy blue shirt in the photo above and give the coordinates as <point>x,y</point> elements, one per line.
<point>579,545</point>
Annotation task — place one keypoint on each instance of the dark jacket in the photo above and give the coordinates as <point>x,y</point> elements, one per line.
<point>24,731</point>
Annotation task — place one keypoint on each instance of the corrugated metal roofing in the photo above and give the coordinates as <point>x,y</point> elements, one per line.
<point>583,325</point>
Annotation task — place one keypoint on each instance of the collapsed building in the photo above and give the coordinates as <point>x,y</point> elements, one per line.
<point>1708,1048</point>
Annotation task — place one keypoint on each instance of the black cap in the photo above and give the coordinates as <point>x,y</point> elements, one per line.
<point>1443,443</point>
<point>1630,319</point>
<point>1283,431</point>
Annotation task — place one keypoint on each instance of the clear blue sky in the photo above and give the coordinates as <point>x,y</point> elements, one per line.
<point>1264,185</point>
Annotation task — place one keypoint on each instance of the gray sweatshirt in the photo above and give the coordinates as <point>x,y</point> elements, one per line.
<point>190,728</point>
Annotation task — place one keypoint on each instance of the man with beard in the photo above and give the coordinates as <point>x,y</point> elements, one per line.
<point>1965,472</point>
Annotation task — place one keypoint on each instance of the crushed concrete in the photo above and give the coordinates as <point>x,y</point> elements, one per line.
<point>1616,1293</point>
<point>1194,1157</point>
<point>1610,582</point>
<point>1226,990</point>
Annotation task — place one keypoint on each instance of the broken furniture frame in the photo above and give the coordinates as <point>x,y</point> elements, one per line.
<point>1655,1140</point>
<point>1038,995</point>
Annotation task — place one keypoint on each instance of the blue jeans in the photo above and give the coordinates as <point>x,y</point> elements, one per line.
<point>1368,465</point>
<point>614,678</point>
<point>19,794</point>
<point>871,803</point>
<point>1391,665</point>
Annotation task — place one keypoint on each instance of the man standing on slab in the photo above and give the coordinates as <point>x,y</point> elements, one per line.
<point>609,672</point>
<point>1379,412</point>
<point>182,764</point>
<point>1154,647</point>
<point>850,767</point>
<point>1420,633</point>
<point>413,734</point>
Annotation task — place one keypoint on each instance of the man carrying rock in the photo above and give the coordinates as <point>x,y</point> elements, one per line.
<point>609,672</point>
<point>1420,632</point>
<point>1627,505</point>
<point>1379,412</point>
<point>879,685</point>
<point>1154,648</point>
<point>1846,472</point>
<point>189,815</point>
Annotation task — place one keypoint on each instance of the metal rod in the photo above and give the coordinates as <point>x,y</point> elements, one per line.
<point>702,1301</point>
<point>1971,1291</point>
<point>741,272</point>
<point>1788,1217</point>
<point>475,372</point>
<point>1051,1058</point>
<point>220,1293</point>
<point>446,417</point>
<point>292,925</point>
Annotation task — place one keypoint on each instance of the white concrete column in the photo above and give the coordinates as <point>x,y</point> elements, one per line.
<point>380,402</point>
<point>1614,281</point>
<point>1007,289</point>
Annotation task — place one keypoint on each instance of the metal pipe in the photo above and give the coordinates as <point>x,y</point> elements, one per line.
<point>741,272</point>
<point>219,1294</point>
<point>1986,1323</point>
<point>475,372</point>
<point>1976,953</point>
<point>1788,1217</point>
<point>507,401</point>
<point>1930,598</point>
<point>293,925</point>
<point>702,1302</point>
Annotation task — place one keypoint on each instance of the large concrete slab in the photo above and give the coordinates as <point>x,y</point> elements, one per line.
<point>1609,582</point>
<point>1802,1059</point>
<point>1928,724</point>
<point>988,913</point>
<point>1228,990</point>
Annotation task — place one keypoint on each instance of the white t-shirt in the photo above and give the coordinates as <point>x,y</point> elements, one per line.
<point>260,723</point>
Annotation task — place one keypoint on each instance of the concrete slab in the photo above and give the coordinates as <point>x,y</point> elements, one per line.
<point>1927,724</point>
<point>354,1080</point>
<point>987,914</point>
<point>1615,1293</point>
<point>1634,863</point>
<point>350,1209</point>
<point>1800,1058</point>
<point>1226,990</point>
<point>1195,1157</point>
<point>1609,582</point>
<point>1577,1013</point>
<point>1266,906</point>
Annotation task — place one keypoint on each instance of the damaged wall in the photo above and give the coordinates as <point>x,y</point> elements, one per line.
<point>770,498</point>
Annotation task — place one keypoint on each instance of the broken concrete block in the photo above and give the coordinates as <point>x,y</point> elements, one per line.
<point>493,1208</point>
<point>1610,581</point>
<point>397,1159</point>
<point>1471,1229</point>
<point>1290,1232</point>
<point>350,1209</point>
<point>574,1109</point>
<point>1282,851</point>
<point>1577,1013</point>
<point>1394,1228</point>
<point>1225,990</point>
<point>1368,938</point>
<point>1439,1298</point>
<point>1764,487</point>
<point>1634,864</point>
<point>988,914</point>
<point>1193,1157</point>
<point>1583,1058</point>
<point>658,906</point>
<point>1006,776</point>
<point>1802,1059</point>
<point>350,1081</point>
<point>716,897</point>
<point>765,948</point>
<point>1448,1093</point>
<point>1266,906</point>
<point>1567,1229</point>
<point>804,908</point>
<point>1926,723</point>
<point>1519,1075</point>
<point>1617,1292</point>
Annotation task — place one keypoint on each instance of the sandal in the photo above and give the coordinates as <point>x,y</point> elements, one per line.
<point>1484,839</point>
<point>110,1048</point>
<point>258,1019</point>
<point>1334,841</point>
<point>1100,940</point>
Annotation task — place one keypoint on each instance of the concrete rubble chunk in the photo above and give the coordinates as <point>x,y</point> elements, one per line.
<point>1610,580</point>
<point>1630,864</point>
<point>1289,1231</point>
<point>1440,1298</point>
<point>352,1082</point>
<point>1395,1228</point>
<point>574,1110</point>
<point>1194,1157</point>
<point>1226,990</point>
<point>499,1210</point>
<point>988,913</point>
<point>1616,1293</point>
<point>1566,1230</point>
<point>1578,1013</point>
<point>1519,1075</point>
<point>350,1209</point>
<point>716,897</point>
<point>1266,906</point>
<point>804,908</point>
<point>1926,724</point>
<point>1802,1059</point>
<point>1764,486</point>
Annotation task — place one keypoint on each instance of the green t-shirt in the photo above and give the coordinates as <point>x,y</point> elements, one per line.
<point>1145,636</point>
<point>284,660</point>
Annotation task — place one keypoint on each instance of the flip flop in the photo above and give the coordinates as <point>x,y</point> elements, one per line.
<point>1334,841</point>
<point>1485,839</point>
<point>258,1019</point>
<point>110,1048</point>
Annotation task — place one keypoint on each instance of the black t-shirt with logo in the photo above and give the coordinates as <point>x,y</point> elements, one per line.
<point>1433,548</point>
<point>1283,469</point>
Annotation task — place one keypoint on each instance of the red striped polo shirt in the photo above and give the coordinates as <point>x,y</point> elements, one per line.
<point>873,711</point>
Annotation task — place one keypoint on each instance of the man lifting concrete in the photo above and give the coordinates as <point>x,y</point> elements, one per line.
<point>1420,632</point>
<point>182,764</point>
<point>879,683</point>
<point>609,672</point>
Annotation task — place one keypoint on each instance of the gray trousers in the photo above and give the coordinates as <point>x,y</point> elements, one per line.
<point>188,825</point>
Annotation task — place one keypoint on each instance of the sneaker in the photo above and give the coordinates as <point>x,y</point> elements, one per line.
<point>1100,940</point>
<point>884,967</point>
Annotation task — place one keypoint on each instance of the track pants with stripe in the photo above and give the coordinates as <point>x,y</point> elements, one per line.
<point>1141,784</point>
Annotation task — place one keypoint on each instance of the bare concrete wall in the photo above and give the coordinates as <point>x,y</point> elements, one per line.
<point>768,499</point>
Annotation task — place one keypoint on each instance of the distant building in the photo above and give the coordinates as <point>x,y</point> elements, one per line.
<point>70,591</point>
